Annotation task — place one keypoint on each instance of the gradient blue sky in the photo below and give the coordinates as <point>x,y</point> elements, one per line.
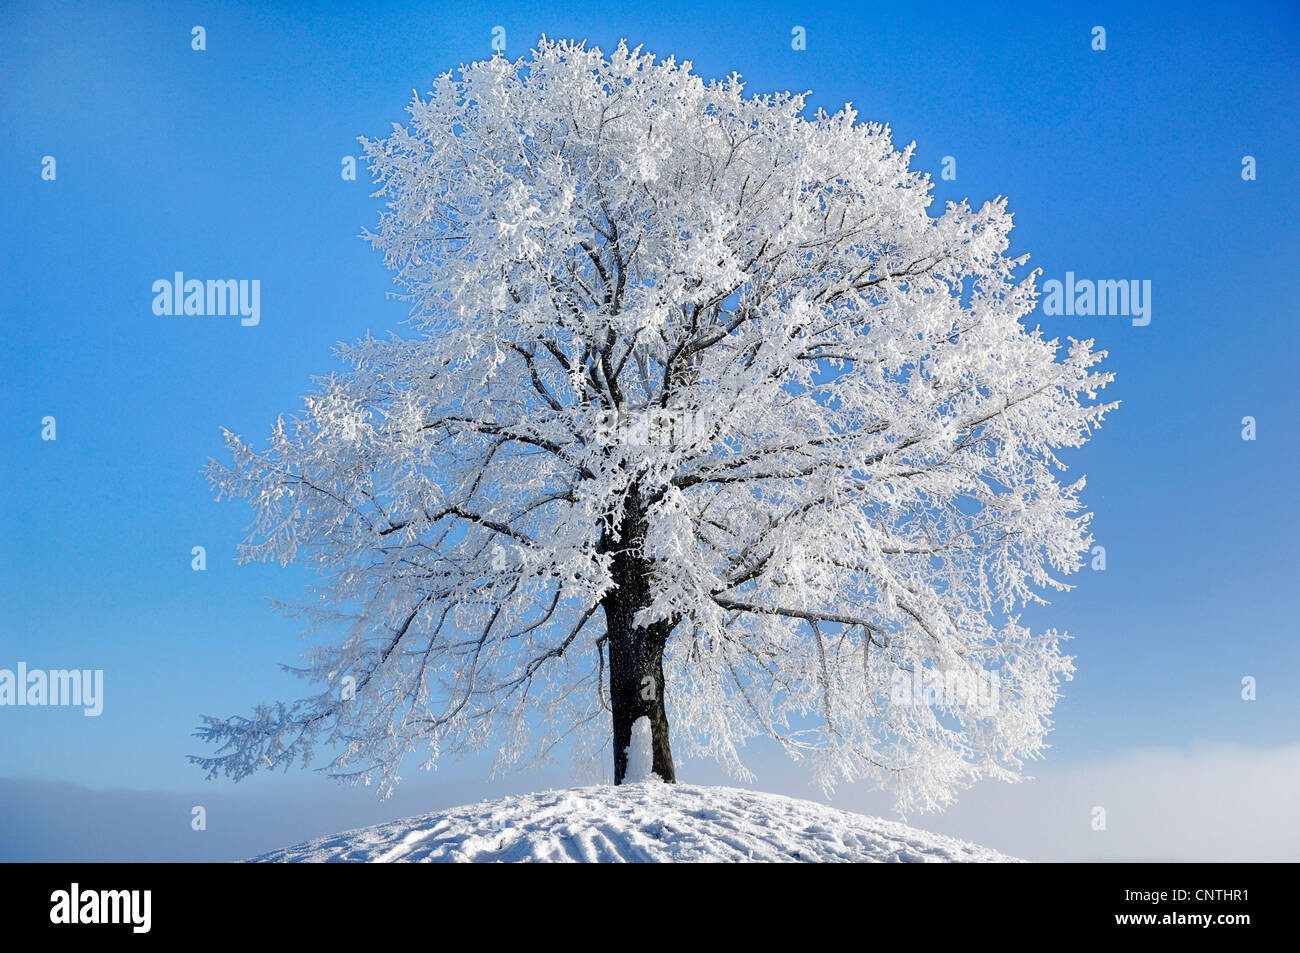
<point>225,163</point>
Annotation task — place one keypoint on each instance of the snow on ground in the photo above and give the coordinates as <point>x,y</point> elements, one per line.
<point>647,821</point>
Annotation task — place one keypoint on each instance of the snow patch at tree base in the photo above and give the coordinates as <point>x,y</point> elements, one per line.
<point>640,753</point>
<point>649,821</point>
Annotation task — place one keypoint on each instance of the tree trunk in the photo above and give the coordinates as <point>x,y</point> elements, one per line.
<point>636,671</point>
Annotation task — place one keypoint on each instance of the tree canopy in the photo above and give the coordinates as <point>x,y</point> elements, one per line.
<point>696,382</point>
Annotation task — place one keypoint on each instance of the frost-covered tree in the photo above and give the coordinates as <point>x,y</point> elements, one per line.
<point>707,422</point>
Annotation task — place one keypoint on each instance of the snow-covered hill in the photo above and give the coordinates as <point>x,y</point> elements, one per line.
<point>647,821</point>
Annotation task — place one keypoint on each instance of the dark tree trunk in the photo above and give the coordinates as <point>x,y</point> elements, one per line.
<point>636,671</point>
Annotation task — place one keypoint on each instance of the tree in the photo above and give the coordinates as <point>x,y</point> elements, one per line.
<point>705,416</point>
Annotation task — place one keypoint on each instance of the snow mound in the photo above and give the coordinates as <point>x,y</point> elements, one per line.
<point>648,821</point>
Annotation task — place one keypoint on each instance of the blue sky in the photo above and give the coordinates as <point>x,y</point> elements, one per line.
<point>1122,164</point>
